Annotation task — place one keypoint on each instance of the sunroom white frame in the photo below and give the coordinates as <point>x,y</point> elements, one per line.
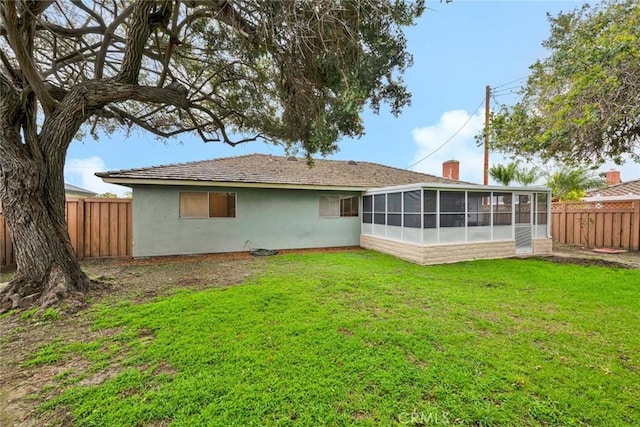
<point>464,235</point>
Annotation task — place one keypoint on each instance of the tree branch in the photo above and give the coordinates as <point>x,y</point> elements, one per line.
<point>69,32</point>
<point>100,93</point>
<point>117,112</point>
<point>140,27</point>
<point>7,65</point>
<point>225,12</point>
<point>23,56</point>
<point>106,40</point>
<point>9,103</point>
<point>80,5</point>
<point>173,40</point>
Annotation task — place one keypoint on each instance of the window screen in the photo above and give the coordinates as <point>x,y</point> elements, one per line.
<point>478,209</point>
<point>430,201</point>
<point>394,209</point>
<point>502,208</point>
<point>379,208</point>
<point>430,205</point>
<point>451,201</point>
<point>452,207</point>
<point>541,208</point>
<point>411,200</point>
<point>367,209</point>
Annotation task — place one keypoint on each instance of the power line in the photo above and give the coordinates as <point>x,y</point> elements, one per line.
<point>509,89</point>
<point>511,82</point>
<point>513,92</point>
<point>450,138</point>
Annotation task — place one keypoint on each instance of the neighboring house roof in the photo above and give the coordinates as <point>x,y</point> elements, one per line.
<point>273,171</point>
<point>74,190</point>
<point>622,189</point>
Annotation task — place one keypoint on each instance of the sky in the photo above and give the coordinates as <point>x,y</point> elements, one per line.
<point>459,48</point>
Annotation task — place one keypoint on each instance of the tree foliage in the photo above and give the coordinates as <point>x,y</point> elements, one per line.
<point>513,171</point>
<point>582,103</point>
<point>286,71</point>
<point>572,183</point>
<point>527,176</point>
<point>293,72</point>
<point>504,174</point>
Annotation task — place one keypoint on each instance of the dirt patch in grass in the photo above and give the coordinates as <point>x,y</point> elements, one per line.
<point>589,262</point>
<point>565,254</point>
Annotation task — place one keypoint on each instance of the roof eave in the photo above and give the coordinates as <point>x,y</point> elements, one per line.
<point>130,182</point>
<point>458,186</point>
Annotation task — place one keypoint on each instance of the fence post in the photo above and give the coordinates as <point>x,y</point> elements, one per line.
<point>130,228</point>
<point>80,226</point>
<point>563,223</point>
<point>635,226</point>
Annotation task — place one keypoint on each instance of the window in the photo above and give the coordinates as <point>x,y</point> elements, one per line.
<point>541,209</point>
<point>430,205</point>
<point>394,209</point>
<point>501,208</point>
<point>338,206</point>
<point>207,205</point>
<point>379,209</point>
<point>349,206</point>
<point>367,209</point>
<point>541,216</point>
<point>478,209</point>
<point>412,209</point>
<point>452,208</point>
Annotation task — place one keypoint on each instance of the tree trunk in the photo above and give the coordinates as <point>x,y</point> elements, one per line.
<point>32,196</point>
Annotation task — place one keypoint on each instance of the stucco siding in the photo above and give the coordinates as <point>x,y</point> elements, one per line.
<point>265,218</point>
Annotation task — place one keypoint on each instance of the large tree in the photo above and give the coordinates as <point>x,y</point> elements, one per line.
<point>582,103</point>
<point>292,72</point>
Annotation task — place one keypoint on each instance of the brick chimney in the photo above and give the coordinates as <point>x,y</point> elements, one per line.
<point>613,177</point>
<point>451,169</point>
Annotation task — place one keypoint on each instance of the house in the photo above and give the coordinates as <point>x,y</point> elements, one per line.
<point>261,201</point>
<point>75,191</point>
<point>615,189</point>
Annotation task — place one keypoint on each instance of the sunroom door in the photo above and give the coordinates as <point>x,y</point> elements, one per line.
<point>523,223</point>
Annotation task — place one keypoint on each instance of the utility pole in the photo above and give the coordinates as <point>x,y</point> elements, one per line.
<point>486,134</point>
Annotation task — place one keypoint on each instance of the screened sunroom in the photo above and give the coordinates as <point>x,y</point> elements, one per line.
<point>434,223</point>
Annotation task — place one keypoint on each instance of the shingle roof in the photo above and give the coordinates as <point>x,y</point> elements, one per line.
<point>621,189</point>
<point>70,188</point>
<point>267,169</point>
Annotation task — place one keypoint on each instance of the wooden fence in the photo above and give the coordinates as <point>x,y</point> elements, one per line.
<point>610,224</point>
<point>98,228</point>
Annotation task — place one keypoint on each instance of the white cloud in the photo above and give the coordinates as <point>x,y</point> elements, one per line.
<point>462,147</point>
<point>81,172</point>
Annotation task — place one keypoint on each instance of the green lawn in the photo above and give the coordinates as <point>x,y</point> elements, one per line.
<point>360,338</point>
